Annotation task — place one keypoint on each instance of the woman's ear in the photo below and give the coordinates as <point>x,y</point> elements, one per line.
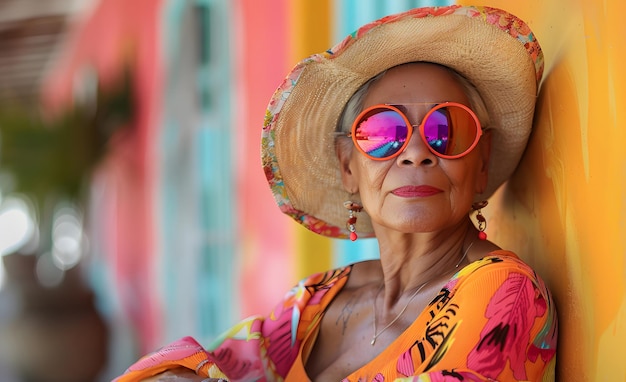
<point>343,148</point>
<point>485,153</point>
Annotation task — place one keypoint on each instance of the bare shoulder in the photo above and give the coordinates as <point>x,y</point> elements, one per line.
<point>480,249</point>
<point>363,273</point>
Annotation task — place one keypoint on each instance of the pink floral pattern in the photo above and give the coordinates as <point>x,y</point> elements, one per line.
<point>494,319</point>
<point>511,312</point>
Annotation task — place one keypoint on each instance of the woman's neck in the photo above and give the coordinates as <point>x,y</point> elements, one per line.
<point>409,260</point>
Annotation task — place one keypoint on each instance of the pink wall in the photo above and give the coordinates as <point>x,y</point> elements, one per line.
<point>261,59</point>
<point>115,33</point>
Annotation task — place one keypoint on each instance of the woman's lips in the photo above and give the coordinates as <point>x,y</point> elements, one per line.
<point>416,191</point>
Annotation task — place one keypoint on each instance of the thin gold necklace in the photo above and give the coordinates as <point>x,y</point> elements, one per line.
<point>376,335</point>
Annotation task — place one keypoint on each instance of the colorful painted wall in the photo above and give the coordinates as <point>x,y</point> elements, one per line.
<point>564,210</point>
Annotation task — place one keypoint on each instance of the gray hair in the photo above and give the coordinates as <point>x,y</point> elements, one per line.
<point>355,104</point>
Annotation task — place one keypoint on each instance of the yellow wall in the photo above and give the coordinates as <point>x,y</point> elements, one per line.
<point>563,211</point>
<point>311,34</point>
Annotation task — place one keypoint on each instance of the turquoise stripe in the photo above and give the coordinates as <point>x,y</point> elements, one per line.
<point>196,205</point>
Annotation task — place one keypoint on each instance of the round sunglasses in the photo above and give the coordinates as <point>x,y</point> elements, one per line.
<point>449,130</point>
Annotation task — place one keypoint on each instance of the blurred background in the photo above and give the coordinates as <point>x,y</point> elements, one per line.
<point>133,207</point>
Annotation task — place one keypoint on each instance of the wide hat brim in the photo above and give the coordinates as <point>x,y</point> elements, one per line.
<point>496,51</point>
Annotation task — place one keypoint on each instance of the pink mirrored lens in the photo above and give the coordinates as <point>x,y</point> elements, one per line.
<point>381,133</point>
<point>450,130</point>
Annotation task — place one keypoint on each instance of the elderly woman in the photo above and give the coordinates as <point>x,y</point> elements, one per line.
<point>399,133</point>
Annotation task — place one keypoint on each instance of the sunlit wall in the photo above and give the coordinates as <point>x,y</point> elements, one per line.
<point>563,211</point>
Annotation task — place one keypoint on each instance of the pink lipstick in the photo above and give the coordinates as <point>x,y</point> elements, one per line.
<point>416,191</point>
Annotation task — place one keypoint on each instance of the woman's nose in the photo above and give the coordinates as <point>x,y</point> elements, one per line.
<point>416,153</point>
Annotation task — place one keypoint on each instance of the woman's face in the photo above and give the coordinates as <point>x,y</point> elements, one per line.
<point>416,191</point>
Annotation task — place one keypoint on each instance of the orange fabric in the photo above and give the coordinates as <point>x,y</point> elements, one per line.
<point>493,320</point>
<point>450,336</point>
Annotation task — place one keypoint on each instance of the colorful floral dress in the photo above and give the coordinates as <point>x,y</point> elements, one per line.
<point>493,320</point>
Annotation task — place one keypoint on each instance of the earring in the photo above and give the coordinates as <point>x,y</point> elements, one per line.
<point>482,222</point>
<point>353,208</point>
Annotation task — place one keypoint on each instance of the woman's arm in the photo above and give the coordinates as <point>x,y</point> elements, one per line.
<point>256,348</point>
<point>179,375</point>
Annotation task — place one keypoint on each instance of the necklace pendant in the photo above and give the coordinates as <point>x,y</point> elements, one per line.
<point>373,341</point>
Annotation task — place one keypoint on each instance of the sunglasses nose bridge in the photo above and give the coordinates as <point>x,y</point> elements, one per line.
<point>415,149</point>
<point>415,146</point>
<point>414,115</point>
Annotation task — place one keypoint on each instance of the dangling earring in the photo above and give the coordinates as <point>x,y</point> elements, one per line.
<point>482,222</point>
<point>353,208</point>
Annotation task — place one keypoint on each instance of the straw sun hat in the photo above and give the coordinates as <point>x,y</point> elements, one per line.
<point>493,49</point>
